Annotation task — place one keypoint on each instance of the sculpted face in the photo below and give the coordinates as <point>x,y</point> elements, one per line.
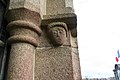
<point>57,35</point>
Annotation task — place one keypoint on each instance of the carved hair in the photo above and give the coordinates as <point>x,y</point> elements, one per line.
<point>60,24</point>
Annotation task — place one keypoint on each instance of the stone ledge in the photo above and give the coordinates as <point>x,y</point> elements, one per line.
<point>70,19</point>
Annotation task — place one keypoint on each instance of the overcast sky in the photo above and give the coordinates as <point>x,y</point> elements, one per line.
<point>98,36</point>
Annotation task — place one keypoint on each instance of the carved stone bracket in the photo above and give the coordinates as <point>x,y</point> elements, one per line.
<point>57,32</point>
<point>70,19</point>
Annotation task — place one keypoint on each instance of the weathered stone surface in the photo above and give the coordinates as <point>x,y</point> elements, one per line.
<point>70,19</point>
<point>44,40</point>
<point>33,5</point>
<point>69,3</point>
<point>23,14</point>
<point>58,33</point>
<point>74,42</point>
<point>23,40</point>
<point>28,10</point>
<point>48,62</point>
<point>76,64</point>
<point>23,17</point>
<point>58,7</point>
<point>42,8</point>
<point>54,7</point>
<point>53,63</point>
<point>49,58</point>
<point>60,11</point>
<point>21,63</point>
<point>23,31</point>
<point>75,58</point>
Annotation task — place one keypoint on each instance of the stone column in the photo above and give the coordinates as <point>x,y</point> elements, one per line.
<point>23,25</point>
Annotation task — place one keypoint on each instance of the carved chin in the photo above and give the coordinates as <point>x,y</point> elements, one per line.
<point>58,41</point>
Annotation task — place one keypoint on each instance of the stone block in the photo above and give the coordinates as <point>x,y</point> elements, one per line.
<point>42,8</point>
<point>23,14</point>
<point>58,7</point>
<point>76,64</point>
<point>53,63</point>
<point>33,5</point>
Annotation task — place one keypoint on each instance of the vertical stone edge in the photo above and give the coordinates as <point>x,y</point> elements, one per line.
<point>75,59</point>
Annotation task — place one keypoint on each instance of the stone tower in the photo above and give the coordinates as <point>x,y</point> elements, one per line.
<point>38,40</point>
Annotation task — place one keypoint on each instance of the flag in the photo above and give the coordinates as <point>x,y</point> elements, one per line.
<point>117,59</point>
<point>118,53</point>
<point>118,56</point>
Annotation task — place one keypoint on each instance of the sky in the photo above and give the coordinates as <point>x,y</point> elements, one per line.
<point>98,26</point>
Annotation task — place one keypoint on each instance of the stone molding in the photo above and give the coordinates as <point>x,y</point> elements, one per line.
<point>70,19</point>
<point>23,14</point>
<point>23,24</point>
<point>23,36</point>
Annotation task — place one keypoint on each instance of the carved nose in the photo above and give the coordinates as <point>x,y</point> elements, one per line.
<point>58,34</point>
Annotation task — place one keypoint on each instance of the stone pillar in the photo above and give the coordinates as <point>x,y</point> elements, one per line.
<point>24,20</point>
<point>57,56</point>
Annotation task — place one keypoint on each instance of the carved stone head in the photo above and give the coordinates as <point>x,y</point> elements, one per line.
<point>57,33</point>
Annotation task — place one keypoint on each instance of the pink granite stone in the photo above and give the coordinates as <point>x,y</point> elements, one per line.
<point>21,63</point>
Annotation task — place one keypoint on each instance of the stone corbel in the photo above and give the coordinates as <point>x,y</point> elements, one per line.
<point>70,19</point>
<point>58,33</point>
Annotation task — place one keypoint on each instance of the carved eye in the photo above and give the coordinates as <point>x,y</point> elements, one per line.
<point>61,31</point>
<point>55,32</point>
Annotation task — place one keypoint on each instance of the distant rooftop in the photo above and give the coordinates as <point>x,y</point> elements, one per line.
<point>109,78</point>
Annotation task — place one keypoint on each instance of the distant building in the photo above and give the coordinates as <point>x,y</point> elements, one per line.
<point>117,71</point>
<point>110,78</point>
